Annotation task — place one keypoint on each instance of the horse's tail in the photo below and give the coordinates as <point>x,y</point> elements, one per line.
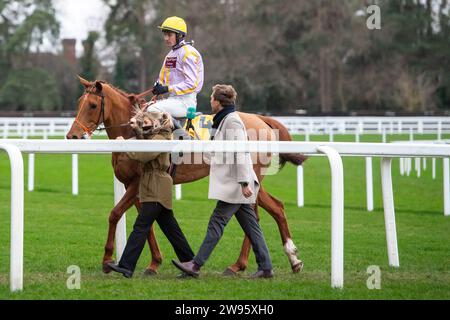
<point>295,158</point>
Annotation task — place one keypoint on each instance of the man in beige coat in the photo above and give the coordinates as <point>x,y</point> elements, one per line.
<point>234,184</point>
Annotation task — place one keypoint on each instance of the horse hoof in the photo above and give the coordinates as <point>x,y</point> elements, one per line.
<point>150,273</point>
<point>106,268</point>
<point>229,273</point>
<point>298,267</point>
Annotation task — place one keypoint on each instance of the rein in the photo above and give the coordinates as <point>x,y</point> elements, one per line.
<point>145,93</point>
<point>117,126</point>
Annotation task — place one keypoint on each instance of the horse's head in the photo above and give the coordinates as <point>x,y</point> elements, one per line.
<point>91,110</point>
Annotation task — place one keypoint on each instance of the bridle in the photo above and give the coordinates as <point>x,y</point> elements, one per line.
<point>101,116</point>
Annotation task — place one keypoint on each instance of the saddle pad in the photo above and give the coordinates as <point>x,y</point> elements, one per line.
<point>203,126</point>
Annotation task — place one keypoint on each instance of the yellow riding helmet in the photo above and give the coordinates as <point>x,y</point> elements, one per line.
<point>174,24</point>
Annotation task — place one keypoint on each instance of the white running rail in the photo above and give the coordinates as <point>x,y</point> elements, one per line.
<point>365,125</point>
<point>332,150</point>
<point>58,127</point>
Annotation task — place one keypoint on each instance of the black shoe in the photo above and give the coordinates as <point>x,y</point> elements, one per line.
<point>125,272</point>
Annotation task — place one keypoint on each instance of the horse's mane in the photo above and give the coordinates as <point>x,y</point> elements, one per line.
<point>118,90</point>
<point>128,96</point>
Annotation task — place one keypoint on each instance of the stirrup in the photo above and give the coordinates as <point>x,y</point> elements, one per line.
<point>189,126</point>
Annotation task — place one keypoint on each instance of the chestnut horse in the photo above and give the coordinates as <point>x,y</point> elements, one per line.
<point>103,103</point>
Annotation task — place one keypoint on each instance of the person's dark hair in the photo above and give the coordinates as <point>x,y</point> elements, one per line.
<point>225,94</point>
<point>179,36</point>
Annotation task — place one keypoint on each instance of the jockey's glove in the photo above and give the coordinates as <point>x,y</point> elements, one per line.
<point>158,89</point>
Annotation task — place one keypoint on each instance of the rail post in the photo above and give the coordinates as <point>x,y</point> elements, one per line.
<point>17,205</point>
<point>337,216</point>
<point>389,212</point>
<point>121,229</point>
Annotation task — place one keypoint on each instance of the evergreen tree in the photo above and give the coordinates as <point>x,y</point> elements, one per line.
<point>30,89</point>
<point>23,26</point>
<point>88,62</point>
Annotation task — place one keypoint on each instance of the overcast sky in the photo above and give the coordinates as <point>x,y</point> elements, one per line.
<point>78,17</point>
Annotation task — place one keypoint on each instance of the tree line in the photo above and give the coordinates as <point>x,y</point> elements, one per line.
<point>281,56</point>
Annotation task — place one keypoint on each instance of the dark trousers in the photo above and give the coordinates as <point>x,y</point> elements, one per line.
<point>245,214</point>
<point>151,211</point>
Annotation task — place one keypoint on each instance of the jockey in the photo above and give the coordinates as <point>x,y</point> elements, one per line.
<point>181,75</point>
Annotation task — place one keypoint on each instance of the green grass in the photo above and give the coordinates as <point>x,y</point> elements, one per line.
<point>63,230</point>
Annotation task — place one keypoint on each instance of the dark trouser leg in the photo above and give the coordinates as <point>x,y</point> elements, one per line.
<point>219,219</point>
<point>172,231</point>
<point>247,219</point>
<point>138,237</point>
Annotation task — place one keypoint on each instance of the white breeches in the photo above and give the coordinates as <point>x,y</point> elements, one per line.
<point>175,105</point>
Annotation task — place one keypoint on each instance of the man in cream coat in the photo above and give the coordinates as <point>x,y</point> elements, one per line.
<point>234,184</point>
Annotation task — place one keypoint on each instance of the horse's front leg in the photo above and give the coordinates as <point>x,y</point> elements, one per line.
<point>152,269</point>
<point>117,212</point>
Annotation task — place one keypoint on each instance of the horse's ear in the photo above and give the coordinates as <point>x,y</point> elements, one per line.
<point>84,82</point>
<point>99,86</point>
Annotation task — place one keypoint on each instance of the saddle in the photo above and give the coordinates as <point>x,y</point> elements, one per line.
<point>194,129</point>
<point>198,128</point>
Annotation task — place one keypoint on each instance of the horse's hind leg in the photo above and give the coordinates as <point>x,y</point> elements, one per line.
<point>117,212</point>
<point>276,209</point>
<point>242,262</point>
